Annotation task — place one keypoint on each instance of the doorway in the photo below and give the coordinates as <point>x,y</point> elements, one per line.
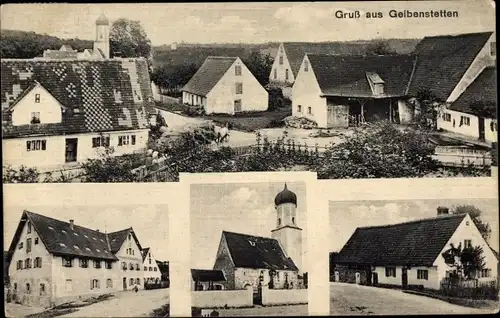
<point>481,128</point>
<point>374,278</point>
<point>71,149</point>
<point>124,283</point>
<point>337,276</point>
<point>358,278</point>
<point>404,278</point>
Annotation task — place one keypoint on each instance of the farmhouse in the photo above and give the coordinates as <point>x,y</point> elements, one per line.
<point>225,85</point>
<point>253,262</point>
<point>411,253</point>
<point>54,261</point>
<point>473,113</point>
<point>336,90</point>
<point>152,273</point>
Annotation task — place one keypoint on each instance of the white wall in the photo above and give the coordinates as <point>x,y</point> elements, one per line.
<point>244,276</point>
<point>281,69</point>
<point>382,279</point>
<point>222,96</point>
<point>48,107</point>
<point>33,276</point>
<point>221,298</point>
<point>472,130</point>
<point>306,92</point>
<point>433,278</point>
<point>150,262</point>
<point>284,296</point>
<point>15,152</point>
<point>135,259</point>
<point>491,135</point>
<point>482,60</point>
<point>467,230</point>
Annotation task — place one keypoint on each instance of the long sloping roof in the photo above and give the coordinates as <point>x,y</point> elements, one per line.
<point>480,93</point>
<point>96,95</point>
<point>116,239</point>
<point>295,51</point>
<point>144,253</point>
<point>347,75</point>
<point>416,243</point>
<point>207,275</point>
<point>208,75</point>
<point>248,251</point>
<point>443,60</point>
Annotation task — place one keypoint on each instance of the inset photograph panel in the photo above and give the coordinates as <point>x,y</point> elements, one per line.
<point>86,260</point>
<point>434,256</point>
<point>249,248</point>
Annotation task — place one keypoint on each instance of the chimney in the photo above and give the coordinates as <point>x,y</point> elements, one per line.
<point>72,224</point>
<point>441,210</point>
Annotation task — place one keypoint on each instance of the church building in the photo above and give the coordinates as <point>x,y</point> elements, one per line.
<point>249,261</point>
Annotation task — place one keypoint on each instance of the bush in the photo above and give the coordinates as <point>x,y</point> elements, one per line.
<point>159,285</point>
<point>276,99</point>
<point>193,111</point>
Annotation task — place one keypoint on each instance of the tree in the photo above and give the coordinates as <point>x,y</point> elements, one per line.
<point>427,107</point>
<point>379,48</point>
<point>475,214</point>
<point>465,261</point>
<point>173,76</point>
<point>23,175</point>
<point>260,66</point>
<point>109,168</point>
<point>129,39</point>
<point>383,150</point>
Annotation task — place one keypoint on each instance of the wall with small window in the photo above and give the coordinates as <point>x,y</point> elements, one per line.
<point>491,130</point>
<point>150,266</point>
<point>130,264</point>
<point>467,231</point>
<point>280,67</point>
<point>426,276</point>
<point>31,265</point>
<point>390,275</point>
<point>37,107</point>
<point>231,87</point>
<point>458,122</point>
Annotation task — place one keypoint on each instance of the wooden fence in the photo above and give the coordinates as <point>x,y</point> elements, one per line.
<point>470,288</point>
<point>169,99</point>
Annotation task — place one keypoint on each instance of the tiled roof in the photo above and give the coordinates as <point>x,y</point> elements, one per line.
<point>207,275</point>
<point>443,60</point>
<point>416,243</point>
<point>249,251</point>
<point>208,75</point>
<point>144,252</point>
<point>99,96</point>
<point>116,239</point>
<point>295,51</point>
<point>60,239</point>
<point>342,75</point>
<point>481,92</point>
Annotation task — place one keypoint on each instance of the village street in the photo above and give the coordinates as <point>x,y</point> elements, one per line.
<point>178,123</point>
<point>292,310</point>
<point>351,299</point>
<point>126,304</point>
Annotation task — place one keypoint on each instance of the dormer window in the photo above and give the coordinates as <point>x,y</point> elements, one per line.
<point>376,83</point>
<point>37,98</point>
<point>379,89</point>
<point>35,118</point>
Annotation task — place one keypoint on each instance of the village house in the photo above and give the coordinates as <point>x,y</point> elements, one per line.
<point>163,267</point>
<point>473,113</point>
<point>341,90</point>
<point>224,85</point>
<point>249,261</point>
<point>411,253</point>
<point>289,56</point>
<point>61,112</point>
<point>207,279</point>
<point>53,261</point>
<point>152,273</point>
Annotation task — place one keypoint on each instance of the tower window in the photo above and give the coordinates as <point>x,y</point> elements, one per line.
<point>293,220</point>
<point>279,221</point>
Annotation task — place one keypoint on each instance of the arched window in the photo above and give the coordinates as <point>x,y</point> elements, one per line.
<point>279,221</point>
<point>28,288</point>
<point>293,220</point>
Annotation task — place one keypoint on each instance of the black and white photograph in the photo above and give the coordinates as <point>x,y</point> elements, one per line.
<point>435,255</point>
<point>141,92</point>
<point>248,248</point>
<point>78,258</point>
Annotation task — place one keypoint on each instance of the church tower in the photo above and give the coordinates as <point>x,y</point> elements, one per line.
<point>102,35</point>
<point>287,232</point>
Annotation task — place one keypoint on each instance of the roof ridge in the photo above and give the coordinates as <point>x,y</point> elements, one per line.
<point>75,225</point>
<point>459,34</point>
<point>458,215</point>
<point>242,234</point>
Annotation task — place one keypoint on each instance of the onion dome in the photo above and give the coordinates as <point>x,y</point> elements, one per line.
<point>102,20</point>
<point>285,196</point>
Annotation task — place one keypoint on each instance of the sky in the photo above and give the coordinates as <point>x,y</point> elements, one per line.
<point>150,222</point>
<point>166,23</point>
<point>241,208</point>
<point>346,216</point>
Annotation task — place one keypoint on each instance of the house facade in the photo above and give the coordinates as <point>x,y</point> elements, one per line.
<point>152,273</point>
<point>393,255</point>
<point>336,91</point>
<point>252,261</point>
<point>54,262</point>
<point>224,85</point>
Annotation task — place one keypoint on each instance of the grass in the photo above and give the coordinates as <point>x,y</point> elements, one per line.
<point>171,107</point>
<point>53,313</point>
<point>252,121</point>
<point>466,302</point>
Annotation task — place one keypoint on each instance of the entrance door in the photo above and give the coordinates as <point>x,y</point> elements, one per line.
<point>257,296</point>
<point>481,128</point>
<point>71,148</point>
<point>404,278</point>
<point>124,283</point>
<point>337,276</point>
<point>358,278</point>
<point>374,278</point>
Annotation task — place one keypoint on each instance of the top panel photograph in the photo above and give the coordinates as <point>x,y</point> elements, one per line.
<point>349,90</point>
